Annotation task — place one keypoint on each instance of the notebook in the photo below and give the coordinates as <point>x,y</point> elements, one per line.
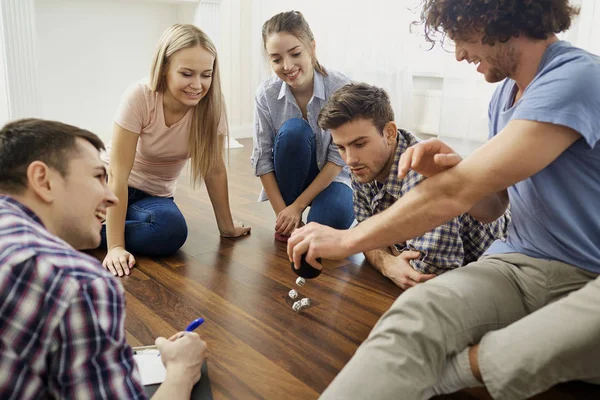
<point>153,373</point>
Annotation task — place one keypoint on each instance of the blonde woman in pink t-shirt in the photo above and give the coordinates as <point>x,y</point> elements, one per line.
<point>178,115</point>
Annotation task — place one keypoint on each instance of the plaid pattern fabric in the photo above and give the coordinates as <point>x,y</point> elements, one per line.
<point>61,318</point>
<point>456,243</point>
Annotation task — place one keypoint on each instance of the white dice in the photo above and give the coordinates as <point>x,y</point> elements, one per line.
<point>300,281</point>
<point>305,302</point>
<point>300,304</point>
<point>296,306</point>
<point>293,294</point>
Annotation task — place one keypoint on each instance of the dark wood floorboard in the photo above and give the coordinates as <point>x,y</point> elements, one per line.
<point>258,347</point>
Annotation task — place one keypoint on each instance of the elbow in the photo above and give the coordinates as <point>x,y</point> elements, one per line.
<point>453,206</point>
<point>117,182</point>
<point>116,179</point>
<point>456,199</point>
<point>217,175</point>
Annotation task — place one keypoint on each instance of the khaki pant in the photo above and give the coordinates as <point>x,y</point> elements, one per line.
<point>537,322</point>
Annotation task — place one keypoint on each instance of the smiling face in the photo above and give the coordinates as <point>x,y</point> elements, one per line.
<point>80,198</point>
<point>291,60</point>
<point>189,76</point>
<point>368,153</point>
<point>496,63</point>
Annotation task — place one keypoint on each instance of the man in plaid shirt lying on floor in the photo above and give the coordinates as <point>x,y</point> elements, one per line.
<point>62,315</point>
<point>362,125</point>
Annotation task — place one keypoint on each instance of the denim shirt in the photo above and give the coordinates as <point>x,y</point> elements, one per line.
<point>275,104</point>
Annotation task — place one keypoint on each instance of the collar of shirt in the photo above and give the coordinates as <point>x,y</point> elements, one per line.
<point>19,208</point>
<point>318,89</point>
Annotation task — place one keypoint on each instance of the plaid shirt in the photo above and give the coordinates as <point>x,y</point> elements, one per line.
<point>61,318</point>
<point>456,243</point>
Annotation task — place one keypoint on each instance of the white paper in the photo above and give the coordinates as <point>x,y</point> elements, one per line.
<point>150,366</point>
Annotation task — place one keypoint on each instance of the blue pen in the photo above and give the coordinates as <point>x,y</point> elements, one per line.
<point>194,324</point>
<point>190,328</point>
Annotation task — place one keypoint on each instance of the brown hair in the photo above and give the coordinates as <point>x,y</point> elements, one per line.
<point>354,101</point>
<point>498,20</point>
<point>27,140</point>
<point>292,22</point>
<point>205,149</point>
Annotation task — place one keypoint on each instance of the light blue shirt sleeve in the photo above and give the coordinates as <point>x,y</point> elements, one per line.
<point>565,92</point>
<point>263,135</point>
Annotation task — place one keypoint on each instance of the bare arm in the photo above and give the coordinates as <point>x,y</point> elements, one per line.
<point>503,161</point>
<point>290,218</point>
<point>491,207</point>
<point>182,355</point>
<point>322,180</point>
<point>270,185</point>
<point>122,156</point>
<point>175,386</point>
<point>433,156</point>
<point>397,268</point>
<point>378,258</point>
<point>218,192</point>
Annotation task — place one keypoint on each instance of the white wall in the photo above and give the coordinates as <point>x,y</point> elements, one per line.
<point>90,51</point>
<point>372,42</point>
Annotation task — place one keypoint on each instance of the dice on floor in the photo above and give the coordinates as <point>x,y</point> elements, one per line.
<point>293,294</point>
<point>305,302</point>
<point>300,281</point>
<point>297,306</point>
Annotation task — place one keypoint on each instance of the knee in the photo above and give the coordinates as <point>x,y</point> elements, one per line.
<point>416,318</point>
<point>425,304</point>
<point>172,231</point>
<point>295,130</point>
<point>333,207</point>
<point>177,228</point>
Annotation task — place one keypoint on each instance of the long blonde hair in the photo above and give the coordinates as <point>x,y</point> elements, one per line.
<point>205,150</point>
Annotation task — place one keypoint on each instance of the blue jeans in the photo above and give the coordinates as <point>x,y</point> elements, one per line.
<point>295,159</point>
<point>154,226</point>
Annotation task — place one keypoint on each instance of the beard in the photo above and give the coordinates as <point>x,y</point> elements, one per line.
<point>503,64</point>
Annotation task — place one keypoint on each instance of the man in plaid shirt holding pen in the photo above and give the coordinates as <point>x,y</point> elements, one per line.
<point>62,315</point>
<point>361,121</point>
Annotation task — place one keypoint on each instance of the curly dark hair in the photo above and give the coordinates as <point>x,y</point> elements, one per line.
<point>498,20</point>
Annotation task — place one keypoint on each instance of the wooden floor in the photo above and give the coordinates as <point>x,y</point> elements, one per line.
<point>259,348</point>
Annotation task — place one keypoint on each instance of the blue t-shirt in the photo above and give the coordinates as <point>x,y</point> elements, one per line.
<point>556,212</point>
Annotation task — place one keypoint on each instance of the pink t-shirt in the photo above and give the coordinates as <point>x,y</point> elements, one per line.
<point>162,151</point>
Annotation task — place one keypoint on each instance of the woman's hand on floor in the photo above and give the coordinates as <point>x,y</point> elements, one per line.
<point>288,219</point>
<point>118,261</point>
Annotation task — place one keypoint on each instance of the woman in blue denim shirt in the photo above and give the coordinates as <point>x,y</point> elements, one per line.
<point>296,161</point>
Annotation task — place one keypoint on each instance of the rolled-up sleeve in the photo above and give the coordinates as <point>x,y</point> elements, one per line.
<point>362,209</point>
<point>333,153</point>
<point>262,135</point>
